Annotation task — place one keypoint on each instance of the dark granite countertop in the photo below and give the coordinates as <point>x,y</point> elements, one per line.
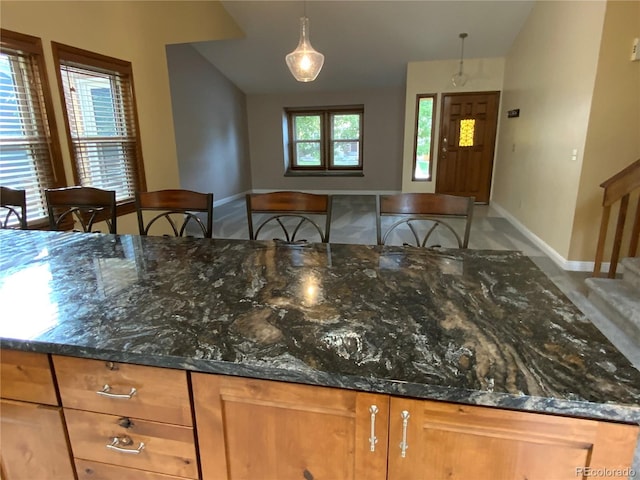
<point>476,327</point>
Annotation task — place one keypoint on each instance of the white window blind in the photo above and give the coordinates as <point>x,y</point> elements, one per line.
<point>100,112</point>
<point>25,141</point>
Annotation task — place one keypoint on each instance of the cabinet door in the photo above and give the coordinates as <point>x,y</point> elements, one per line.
<point>250,429</point>
<point>27,376</point>
<point>449,441</point>
<point>33,443</point>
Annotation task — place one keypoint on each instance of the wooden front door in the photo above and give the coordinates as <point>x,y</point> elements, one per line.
<point>467,144</point>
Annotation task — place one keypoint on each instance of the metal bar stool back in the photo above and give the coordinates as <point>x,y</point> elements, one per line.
<point>83,207</point>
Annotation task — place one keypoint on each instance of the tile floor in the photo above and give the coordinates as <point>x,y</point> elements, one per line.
<point>353,221</point>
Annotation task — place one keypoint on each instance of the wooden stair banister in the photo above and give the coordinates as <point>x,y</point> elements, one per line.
<point>618,187</point>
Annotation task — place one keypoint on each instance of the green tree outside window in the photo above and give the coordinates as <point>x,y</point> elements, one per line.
<point>424,132</point>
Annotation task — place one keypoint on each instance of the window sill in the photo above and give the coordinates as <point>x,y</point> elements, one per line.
<point>323,173</point>
<point>125,207</point>
<point>39,224</point>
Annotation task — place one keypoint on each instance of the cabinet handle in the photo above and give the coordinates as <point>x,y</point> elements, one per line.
<point>405,422</point>
<point>116,443</point>
<point>373,409</point>
<point>106,392</point>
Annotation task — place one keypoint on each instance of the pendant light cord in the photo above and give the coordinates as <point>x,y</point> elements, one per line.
<point>462,36</point>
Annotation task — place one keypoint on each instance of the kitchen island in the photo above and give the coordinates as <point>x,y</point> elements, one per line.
<point>480,328</point>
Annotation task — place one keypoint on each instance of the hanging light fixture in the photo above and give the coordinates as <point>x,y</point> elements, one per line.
<point>460,78</point>
<point>304,62</point>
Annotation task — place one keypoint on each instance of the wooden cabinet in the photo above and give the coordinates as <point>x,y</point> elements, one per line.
<point>102,471</point>
<point>249,429</point>
<point>33,441</point>
<point>143,445</point>
<point>261,429</point>
<point>27,376</point>
<point>131,422</point>
<point>124,389</point>
<point>450,441</point>
<point>122,417</point>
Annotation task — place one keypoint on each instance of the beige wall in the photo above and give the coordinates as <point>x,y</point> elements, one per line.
<point>485,74</point>
<point>382,148</point>
<point>613,134</point>
<point>132,31</point>
<point>210,117</point>
<point>549,75</point>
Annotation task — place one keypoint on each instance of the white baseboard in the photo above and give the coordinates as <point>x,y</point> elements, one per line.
<point>571,265</point>
<point>333,192</point>
<point>222,201</point>
<point>577,266</point>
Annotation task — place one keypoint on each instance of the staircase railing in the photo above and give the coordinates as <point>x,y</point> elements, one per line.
<point>619,187</point>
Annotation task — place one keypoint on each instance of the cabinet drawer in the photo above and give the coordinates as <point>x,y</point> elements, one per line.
<point>101,471</point>
<point>27,376</point>
<point>160,394</point>
<point>168,449</point>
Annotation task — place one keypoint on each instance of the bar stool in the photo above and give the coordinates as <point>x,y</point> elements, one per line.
<point>12,200</point>
<point>84,206</point>
<point>290,211</point>
<point>169,202</point>
<point>424,211</point>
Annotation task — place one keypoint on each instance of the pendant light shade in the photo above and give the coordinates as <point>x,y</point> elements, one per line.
<point>460,78</point>
<point>304,62</point>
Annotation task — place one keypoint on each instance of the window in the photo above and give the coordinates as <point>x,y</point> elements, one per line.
<point>101,121</point>
<point>325,139</point>
<point>423,149</point>
<point>29,149</point>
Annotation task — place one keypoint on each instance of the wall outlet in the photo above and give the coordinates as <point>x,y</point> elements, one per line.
<point>635,50</point>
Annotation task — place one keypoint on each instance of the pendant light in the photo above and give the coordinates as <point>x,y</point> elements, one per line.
<point>304,62</point>
<point>460,78</point>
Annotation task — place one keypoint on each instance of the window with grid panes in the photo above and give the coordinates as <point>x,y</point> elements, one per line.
<point>325,139</point>
<point>29,148</point>
<point>101,121</point>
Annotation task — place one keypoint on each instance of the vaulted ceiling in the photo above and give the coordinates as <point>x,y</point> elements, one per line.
<point>367,44</point>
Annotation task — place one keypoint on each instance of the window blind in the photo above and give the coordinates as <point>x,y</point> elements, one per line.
<point>25,140</point>
<point>102,127</point>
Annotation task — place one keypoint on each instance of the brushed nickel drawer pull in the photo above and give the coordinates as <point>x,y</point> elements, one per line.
<point>403,445</point>
<point>117,443</point>
<point>106,392</point>
<point>373,409</point>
